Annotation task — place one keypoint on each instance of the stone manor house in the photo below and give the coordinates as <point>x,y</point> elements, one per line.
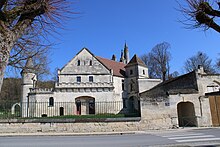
<point>87,81</point>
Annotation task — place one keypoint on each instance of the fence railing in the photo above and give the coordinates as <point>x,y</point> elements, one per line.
<point>76,109</point>
<point>190,121</point>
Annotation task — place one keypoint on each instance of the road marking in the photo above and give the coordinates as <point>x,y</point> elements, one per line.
<point>190,137</point>
<point>179,135</point>
<point>186,137</point>
<point>195,140</point>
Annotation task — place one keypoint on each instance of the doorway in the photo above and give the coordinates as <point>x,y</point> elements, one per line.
<point>91,107</point>
<point>78,107</point>
<point>61,111</point>
<point>186,114</point>
<point>85,105</point>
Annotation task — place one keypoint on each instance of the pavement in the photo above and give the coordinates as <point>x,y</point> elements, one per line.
<point>151,132</point>
<point>100,133</point>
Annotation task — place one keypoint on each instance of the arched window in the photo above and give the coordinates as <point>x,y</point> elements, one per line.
<point>51,102</point>
<point>78,63</point>
<point>90,63</point>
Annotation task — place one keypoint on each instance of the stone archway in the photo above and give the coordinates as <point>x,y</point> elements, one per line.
<point>15,109</point>
<point>186,114</point>
<point>85,105</point>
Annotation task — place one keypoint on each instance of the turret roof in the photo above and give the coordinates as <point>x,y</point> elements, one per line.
<point>29,63</point>
<point>136,61</point>
<point>29,66</point>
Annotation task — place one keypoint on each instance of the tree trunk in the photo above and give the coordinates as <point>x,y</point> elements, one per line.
<point>3,63</point>
<point>6,44</point>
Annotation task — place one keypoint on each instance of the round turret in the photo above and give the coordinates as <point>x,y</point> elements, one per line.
<point>29,79</point>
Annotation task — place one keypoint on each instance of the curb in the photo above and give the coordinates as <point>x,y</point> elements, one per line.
<point>65,134</point>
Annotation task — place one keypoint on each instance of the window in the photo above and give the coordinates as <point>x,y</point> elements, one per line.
<point>90,63</point>
<point>131,72</point>
<point>78,79</point>
<point>78,63</point>
<point>143,72</point>
<point>90,78</point>
<point>51,102</point>
<point>123,84</point>
<point>131,87</point>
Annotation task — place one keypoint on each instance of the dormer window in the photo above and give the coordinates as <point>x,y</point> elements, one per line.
<point>78,63</point>
<point>131,72</point>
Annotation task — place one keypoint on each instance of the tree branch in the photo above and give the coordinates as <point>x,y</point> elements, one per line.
<point>205,7</point>
<point>2,3</point>
<point>31,9</point>
<point>202,18</point>
<point>2,15</point>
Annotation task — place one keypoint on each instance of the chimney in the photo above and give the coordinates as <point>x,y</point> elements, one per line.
<point>113,57</point>
<point>201,70</point>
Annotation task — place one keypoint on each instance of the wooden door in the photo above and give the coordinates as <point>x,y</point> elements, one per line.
<point>214,102</point>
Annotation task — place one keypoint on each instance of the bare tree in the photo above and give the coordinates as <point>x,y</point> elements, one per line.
<point>157,61</point>
<point>199,59</point>
<point>24,26</point>
<point>39,54</point>
<point>218,64</point>
<point>173,75</point>
<point>201,14</point>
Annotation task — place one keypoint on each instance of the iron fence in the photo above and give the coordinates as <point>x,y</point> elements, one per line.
<point>189,121</point>
<point>76,109</point>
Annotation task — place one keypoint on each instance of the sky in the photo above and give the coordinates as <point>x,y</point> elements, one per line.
<point>103,26</point>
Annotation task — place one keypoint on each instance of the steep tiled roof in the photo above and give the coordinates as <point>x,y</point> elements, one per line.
<point>117,67</point>
<point>136,61</point>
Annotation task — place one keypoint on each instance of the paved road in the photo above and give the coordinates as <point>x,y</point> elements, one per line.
<point>197,137</point>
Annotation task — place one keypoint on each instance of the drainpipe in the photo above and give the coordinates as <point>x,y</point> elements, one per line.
<point>200,103</point>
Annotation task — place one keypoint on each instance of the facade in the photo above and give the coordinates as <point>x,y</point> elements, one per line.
<point>90,84</point>
<point>84,83</point>
<point>184,98</point>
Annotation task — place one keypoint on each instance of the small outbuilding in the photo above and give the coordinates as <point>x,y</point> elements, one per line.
<point>185,99</point>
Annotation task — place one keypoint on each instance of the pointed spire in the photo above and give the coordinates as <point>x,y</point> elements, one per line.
<point>126,53</point>
<point>125,45</point>
<point>29,63</point>
<point>29,66</point>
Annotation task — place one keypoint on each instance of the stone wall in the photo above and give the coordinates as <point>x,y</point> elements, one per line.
<point>157,115</point>
<point>154,116</point>
<point>70,127</point>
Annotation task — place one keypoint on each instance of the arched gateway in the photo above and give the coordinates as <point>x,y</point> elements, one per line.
<point>186,114</point>
<point>85,105</point>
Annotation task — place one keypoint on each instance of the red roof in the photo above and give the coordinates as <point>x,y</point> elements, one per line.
<point>117,67</point>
